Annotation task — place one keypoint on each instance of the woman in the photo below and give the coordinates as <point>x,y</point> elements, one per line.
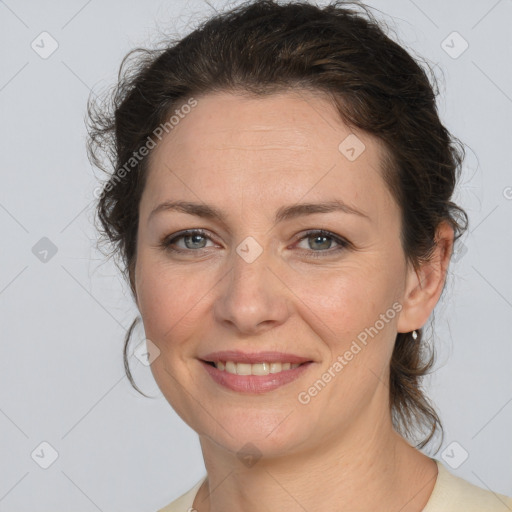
<point>282,206</point>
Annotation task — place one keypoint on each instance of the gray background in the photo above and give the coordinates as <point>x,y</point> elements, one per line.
<point>63,318</point>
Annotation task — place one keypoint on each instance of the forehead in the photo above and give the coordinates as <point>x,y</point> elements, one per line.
<point>292,120</point>
<point>282,147</point>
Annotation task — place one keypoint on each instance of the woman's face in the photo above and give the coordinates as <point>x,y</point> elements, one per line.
<point>260,278</point>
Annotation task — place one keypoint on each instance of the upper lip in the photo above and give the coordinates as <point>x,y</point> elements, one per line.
<point>254,357</point>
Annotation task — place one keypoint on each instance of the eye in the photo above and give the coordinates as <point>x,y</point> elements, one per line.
<point>193,239</point>
<point>320,243</point>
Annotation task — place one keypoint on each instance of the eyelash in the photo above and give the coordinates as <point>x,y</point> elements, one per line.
<point>342,243</point>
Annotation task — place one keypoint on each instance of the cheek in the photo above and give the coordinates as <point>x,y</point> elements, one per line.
<point>351,313</point>
<point>345,301</point>
<point>168,298</point>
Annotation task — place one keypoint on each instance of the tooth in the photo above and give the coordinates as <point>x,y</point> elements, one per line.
<point>220,365</point>
<point>243,369</point>
<point>286,366</point>
<point>275,367</point>
<point>260,369</point>
<point>230,367</point>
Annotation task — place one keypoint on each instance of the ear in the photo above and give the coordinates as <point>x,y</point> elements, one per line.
<point>425,285</point>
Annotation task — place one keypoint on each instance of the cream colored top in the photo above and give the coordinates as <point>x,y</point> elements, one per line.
<point>450,494</point>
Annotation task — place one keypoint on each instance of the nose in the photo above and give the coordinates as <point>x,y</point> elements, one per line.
<point>253,297</point>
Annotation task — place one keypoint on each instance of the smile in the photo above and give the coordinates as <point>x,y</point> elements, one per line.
<point>254,378</point>
<point>253,369</point>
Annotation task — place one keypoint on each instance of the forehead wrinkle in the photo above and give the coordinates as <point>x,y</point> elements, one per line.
<point>287,132</point>
<point>258,147</point>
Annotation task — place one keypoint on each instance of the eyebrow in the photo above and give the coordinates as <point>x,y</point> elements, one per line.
<point>282,214</point>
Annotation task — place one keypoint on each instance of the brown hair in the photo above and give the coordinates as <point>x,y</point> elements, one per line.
<point>262,47</point>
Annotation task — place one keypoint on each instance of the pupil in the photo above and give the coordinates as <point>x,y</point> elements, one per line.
<point>195,238</point>
<point>326,245</point>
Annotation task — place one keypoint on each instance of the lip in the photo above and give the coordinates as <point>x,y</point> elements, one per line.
<point>254,357</point>
<point>255,384</point>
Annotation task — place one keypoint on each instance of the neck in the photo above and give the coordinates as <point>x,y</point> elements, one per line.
<point>369,467</point>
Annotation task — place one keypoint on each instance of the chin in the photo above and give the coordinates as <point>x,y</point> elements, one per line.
<point>254,433</point>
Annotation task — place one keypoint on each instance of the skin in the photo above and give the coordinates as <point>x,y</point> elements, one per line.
<point>248,157</point>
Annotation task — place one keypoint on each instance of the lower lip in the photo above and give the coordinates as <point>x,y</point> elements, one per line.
<point>254,383</point>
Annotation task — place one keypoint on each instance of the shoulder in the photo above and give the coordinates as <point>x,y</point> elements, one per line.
<point>453,494</point>
<point>185,501</point>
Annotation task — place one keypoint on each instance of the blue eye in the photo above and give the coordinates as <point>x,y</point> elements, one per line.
<point>192,239</point>
<point>196,239</point>
<point>324,240</point>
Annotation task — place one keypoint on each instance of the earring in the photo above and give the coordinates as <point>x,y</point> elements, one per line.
<point>414,335</point>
